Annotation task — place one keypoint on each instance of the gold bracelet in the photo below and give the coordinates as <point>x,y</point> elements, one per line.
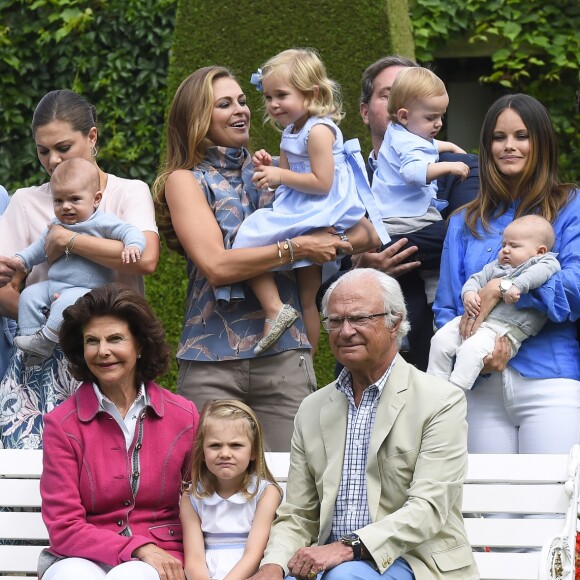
<point>69,246</point>
<point>280,254</point>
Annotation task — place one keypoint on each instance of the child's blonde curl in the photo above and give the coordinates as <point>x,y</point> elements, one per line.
<point>305,71</point>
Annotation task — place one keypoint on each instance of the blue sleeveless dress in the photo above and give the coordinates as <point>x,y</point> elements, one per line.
<point>295,213</point>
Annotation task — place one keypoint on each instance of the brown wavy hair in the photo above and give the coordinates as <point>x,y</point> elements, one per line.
<point>539,189</point>
<point>188,123</point>
<point>125,304</point>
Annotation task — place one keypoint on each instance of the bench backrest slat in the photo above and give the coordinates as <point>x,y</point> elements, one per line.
<point>513,485</point>
<point>19,558</point>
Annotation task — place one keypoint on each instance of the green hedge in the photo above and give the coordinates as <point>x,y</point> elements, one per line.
<point>113,52</point>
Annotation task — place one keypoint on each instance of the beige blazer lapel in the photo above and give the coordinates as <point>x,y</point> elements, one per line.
<point>393,398</point>
<point>333,420</point>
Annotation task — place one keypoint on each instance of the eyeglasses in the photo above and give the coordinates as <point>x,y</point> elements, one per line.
<point>332,324</point>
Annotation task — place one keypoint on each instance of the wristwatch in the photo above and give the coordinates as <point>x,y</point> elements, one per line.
<point>354,542</point>
<point>344,238</point>
<point>504,285</point>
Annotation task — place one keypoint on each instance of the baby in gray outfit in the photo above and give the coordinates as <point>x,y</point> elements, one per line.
<point>75,187</point>
<point>524,263</point>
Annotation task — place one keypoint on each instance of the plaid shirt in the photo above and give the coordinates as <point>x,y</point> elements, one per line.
<point>351,510</point>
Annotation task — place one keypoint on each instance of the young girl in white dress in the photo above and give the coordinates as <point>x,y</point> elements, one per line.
<point>320,182</point>
<point>227,512</point>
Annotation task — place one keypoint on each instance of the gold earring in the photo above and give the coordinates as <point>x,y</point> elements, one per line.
<point>94,150</point>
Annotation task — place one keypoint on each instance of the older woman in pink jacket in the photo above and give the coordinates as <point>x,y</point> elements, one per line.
<point>116,451</point>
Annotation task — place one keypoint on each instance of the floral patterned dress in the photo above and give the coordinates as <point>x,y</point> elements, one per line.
<point>21,410</point>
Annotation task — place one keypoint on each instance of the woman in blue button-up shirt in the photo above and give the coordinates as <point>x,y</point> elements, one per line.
<point>532,405</point>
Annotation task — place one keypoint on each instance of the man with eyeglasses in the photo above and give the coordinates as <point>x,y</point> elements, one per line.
<point>378,457</point>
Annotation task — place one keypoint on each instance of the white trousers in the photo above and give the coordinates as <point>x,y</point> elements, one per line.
<point>448,348</point>
<point>79,568</point>
<point>507,413</point>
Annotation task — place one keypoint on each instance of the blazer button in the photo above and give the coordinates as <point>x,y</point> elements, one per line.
<point>138,446</point>
<point>127,502</point>
<point>135,474</point>
<point>119,522</point>
<point>171,533</point>
<point>389,560</point>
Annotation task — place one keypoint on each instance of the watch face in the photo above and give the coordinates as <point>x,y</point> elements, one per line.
<point>505,284</point>
<point>348,538</point>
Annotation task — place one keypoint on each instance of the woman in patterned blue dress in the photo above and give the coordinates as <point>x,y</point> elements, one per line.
<point>203,194</point>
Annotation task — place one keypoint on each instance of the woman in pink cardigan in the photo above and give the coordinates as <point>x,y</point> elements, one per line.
<point>116,451</point>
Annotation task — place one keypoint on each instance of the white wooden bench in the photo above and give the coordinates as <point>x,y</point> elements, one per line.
<point>506,547</point>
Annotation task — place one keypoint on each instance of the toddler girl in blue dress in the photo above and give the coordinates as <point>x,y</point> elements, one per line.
<point>320,182</point>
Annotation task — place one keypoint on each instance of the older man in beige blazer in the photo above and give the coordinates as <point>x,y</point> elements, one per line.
<point>395,511</point>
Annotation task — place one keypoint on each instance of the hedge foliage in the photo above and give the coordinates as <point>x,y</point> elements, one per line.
<point>113,52</point>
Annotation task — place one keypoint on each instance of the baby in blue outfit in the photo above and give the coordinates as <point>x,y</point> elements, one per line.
<point>75,187</point>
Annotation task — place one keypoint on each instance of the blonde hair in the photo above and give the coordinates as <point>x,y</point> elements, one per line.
<point>233,411</point>
<point>305,71</point>
<point>188,123</point>
<point>413,84</point>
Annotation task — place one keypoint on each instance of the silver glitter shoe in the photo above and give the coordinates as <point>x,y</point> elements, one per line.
<point>285,319</point>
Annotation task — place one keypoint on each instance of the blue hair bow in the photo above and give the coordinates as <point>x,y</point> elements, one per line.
<point>256,79</point>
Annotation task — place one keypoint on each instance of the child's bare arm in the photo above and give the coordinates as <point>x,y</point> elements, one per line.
<point>448,147</point>
<point>193,543</point>
<point>258,537</point>
<point>441,168</point>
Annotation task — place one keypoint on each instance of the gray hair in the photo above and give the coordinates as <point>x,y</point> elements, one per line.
<point>393,300</point>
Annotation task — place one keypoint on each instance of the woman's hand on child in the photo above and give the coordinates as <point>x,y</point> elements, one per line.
<point>130,254</point>
<point>9,266</point>
<point>320,246</point>
<point>56,241</point>
<point>262,157</point>
<point>489,296</point>
<point>497,361</point>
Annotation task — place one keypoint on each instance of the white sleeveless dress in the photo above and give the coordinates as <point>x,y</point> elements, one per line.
<point>225,524</point>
